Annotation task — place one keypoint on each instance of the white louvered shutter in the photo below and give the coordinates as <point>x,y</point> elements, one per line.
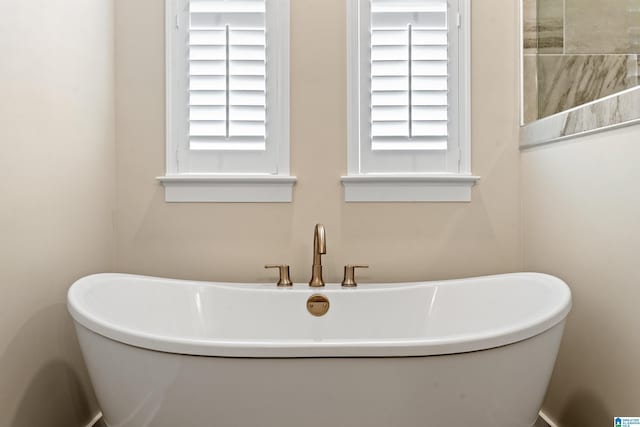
<point>227,75</point>
<point>409,75</point>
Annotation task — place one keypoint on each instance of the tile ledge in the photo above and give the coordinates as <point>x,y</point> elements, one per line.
<point>612,112</point>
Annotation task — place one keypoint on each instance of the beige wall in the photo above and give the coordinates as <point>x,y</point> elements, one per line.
<point>581,214</point>
<point>399,241</point>
<point>57,192</point>
<point>58,132</point>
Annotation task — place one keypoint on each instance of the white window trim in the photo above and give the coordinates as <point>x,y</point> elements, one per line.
<point>227,188</point>
<point>233,188</point>
<point>449,187</point>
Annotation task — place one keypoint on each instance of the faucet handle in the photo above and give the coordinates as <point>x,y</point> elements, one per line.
<point>349,280</point>
<point>285,280</point>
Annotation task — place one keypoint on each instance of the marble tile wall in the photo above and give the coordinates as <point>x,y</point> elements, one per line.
<point>577,51</point>
<point>530,88</point>
<point>530,26</point>
<point>607,113</point>
<point>602,26</point>
<point>551,22</point>
<point>530,60</point>
<point>566,81</point>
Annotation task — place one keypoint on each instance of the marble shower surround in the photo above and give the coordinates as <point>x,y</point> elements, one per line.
<point>530,26</point>
<point>602,26</point>
<point>567,81</point>
<point>577,51</point>
<point>530,88</point>
<point>551,25</point>
<point>543,22</point>
<point>615,111</point>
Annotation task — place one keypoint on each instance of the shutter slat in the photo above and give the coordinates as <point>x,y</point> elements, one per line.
<point>248,113</point>
<point>207,98</point>
<point>397,128</point>
<point>247,53</point>
<point>430,128</point>
<point>208,83</point>
<point>430,37</point>
<point>434,98</point>
<point>430,68</point>
<point>246,128</point>
<point>247,38</point>
<point>389,53</point>
<point>207,113</point>
<point>390,113</point>
<point>389,68</point>
<point>247,98</point>
<point>218,37</point>
<point>398,37</point>
<point>207,68</point>
<point>385,99</point>
<point>210,128</point>
<point>389,83</point>
<point>238,114</point>
<point>219,128</point>
<point>388,37</point>
<point>247,68</point>
<point>207,37</point>
<point>430,113</point>
<point>251,83</point>
<point>430,83</point>
<point>207,53</point>
<point>430,53</point>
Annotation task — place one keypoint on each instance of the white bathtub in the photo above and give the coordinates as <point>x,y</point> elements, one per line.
<point>168,353</point>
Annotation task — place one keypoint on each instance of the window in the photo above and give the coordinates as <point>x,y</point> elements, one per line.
<point>228,101</point>
<point>409,101</point>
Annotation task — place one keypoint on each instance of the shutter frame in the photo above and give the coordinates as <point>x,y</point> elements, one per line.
<point>230,36</point>
<point>392,175</point>
<point>269,157</point>
<point>406,37</point>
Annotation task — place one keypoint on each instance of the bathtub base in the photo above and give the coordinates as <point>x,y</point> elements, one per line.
<point>500,387</point>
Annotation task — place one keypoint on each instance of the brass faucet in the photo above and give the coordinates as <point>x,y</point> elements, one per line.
<point>319,249</point>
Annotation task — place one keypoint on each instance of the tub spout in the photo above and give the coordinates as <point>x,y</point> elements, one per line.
<point>319,249</point>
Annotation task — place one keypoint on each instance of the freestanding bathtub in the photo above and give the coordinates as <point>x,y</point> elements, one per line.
<point>168,353</point>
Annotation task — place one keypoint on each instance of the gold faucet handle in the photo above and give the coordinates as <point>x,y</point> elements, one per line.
<point>349,280</point>
<point>285,280</point>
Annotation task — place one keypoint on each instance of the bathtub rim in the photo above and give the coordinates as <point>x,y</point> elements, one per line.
<point>418,347</point>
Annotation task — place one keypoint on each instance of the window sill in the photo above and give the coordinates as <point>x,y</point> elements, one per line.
<point>228,188</point>
<point>408,188</point>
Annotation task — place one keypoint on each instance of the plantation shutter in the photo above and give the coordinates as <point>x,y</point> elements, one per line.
<point>409,75</point>
<point>227,75</point>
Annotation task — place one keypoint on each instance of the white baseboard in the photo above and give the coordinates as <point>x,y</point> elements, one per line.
<point>95,420</point>
<point>548,420</point>
<point>544,416</point>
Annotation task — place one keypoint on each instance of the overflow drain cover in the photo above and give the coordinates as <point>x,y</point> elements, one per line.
<point>318,305</point>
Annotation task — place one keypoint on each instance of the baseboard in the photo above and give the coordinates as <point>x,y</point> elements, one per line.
<point>545,421</point>
<point>96,421</point>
